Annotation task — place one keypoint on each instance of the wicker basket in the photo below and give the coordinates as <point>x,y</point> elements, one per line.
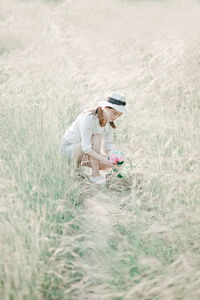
<point>117,183</point>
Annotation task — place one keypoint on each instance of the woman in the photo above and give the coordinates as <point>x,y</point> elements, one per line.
<point>92,130</point>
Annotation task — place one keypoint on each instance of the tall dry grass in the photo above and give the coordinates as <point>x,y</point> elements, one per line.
<point>57,57</point>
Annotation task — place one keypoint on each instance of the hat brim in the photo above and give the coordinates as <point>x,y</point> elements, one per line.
<point>120,108</point>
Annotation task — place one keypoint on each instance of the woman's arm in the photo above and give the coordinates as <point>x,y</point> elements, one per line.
<point>108,143</point>
<point>86,138</point>
<point>103,159</point>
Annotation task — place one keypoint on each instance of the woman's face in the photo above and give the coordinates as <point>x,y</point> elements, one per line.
<point>111,114</point>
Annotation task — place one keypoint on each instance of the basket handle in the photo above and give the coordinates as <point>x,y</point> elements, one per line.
<point>130,162</point>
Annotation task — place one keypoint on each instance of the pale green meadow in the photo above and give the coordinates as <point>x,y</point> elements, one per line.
<point>61,238</point>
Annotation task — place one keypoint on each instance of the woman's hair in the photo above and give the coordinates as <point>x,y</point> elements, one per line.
<point>99,112</point>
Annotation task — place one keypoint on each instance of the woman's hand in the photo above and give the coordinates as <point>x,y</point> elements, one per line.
<point>101,158</point>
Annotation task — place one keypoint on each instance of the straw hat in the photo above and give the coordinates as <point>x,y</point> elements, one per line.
<point>116,101</point>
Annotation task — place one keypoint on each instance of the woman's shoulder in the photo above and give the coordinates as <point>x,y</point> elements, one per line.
<point>88,118</point>
<point>88,115</point>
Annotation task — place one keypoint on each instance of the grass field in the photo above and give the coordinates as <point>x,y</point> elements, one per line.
<point>59,238</point>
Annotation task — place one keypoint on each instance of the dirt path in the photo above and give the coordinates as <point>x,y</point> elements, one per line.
<point>103,208</point>
<point>102,205</point>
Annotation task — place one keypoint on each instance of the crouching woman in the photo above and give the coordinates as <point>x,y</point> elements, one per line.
<point>92,131</point>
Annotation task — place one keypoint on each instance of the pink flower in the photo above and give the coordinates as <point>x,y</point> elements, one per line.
<point>120,158</point>
<point>116,157</point>
<point>113,158</point>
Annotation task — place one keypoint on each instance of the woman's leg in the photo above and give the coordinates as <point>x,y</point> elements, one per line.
<point>96,146</point>
<point>88,161</point>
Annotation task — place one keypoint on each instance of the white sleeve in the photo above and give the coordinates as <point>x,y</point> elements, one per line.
<point>86,133</point>
<point>108,140</point>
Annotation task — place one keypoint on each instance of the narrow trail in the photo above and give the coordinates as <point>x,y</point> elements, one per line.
<point>102,206</point>
<point>103,209</point>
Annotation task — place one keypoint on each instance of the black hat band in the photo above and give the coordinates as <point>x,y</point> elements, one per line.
<point>117,102</point>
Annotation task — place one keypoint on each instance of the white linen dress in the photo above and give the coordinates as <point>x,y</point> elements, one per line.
<point>80,134</point>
